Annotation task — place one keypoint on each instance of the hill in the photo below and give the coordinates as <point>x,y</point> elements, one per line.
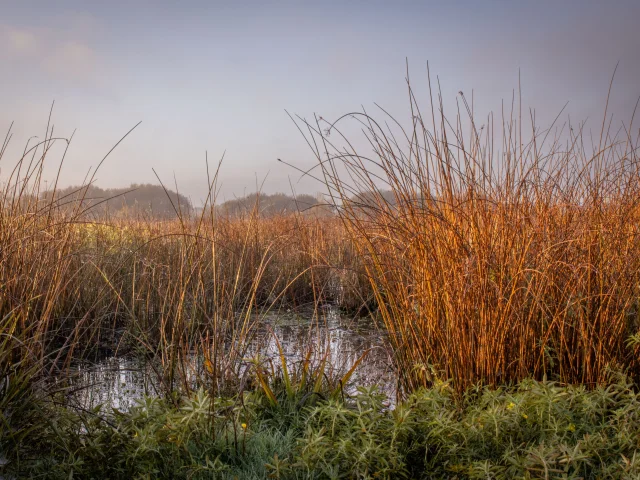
<point>275,204</point>
<point>138,199</point>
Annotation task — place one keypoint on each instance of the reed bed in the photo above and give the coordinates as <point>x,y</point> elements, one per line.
<point>497,251</point>
<point>490,257</point>
<point>74,284</point>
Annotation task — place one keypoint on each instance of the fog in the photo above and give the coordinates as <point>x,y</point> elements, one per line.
<point>214,78</point>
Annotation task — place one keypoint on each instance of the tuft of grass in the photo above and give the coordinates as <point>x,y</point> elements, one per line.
<point>494,254</point>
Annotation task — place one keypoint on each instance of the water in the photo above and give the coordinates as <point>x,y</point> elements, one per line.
<point>118,381</point>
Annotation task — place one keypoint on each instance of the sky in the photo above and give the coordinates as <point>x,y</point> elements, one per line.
<point>209,77</point>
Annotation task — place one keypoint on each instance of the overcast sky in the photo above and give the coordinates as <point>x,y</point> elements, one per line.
<point>215,76</point>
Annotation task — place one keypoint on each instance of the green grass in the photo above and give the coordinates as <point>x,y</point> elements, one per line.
<point>533,430</point>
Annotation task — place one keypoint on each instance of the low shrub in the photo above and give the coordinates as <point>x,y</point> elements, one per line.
<point>537,429</point>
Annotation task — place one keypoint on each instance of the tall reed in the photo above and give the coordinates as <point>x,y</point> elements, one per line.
<point>503,251</point>
<point>75,283</point>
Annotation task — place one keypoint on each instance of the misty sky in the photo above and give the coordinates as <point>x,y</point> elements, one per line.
<point>215,76</point>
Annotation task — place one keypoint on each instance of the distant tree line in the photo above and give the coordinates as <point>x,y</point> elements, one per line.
<point>154,201</point>
<point>275,204</point>
<point>138,199</point>
<point>279,203</point>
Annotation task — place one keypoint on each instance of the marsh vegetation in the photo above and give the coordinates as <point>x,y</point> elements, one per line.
<point>500,264</point>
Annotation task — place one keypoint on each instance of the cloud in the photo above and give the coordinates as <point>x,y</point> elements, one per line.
<point>71,60</point>
<point>20,41</point>
<point>62,51</point>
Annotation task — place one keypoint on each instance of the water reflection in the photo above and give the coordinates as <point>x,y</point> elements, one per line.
<point>118,382</point>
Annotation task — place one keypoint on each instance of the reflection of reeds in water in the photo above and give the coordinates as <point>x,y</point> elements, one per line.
<point>119,381</point>
<point>494,255</point>
<point>114,381</point>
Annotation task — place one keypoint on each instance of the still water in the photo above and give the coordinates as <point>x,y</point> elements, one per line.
<point>119,381</point>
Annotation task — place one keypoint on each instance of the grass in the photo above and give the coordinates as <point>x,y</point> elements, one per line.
<point>535,430</point>
<point>73,286</point>
<point>503,251</point>
<point>498,260</point>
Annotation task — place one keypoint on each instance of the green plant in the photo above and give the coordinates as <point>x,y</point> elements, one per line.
<point>531,430</point>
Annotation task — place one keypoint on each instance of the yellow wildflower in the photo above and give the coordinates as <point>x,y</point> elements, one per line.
<point>244,426</point>
<point>510,405</point>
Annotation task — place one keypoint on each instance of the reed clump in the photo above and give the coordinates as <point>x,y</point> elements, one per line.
<point>495,253</point>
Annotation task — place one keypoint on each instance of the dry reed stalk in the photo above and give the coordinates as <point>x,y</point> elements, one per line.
<point>73,282</point>
<point>493,257</point>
